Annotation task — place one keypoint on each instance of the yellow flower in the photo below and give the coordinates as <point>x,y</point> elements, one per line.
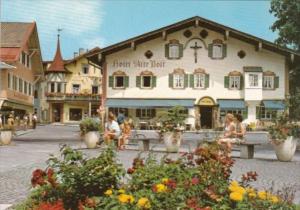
<point>108,192</point>
<point>124,198</point>
<point>165,180</point>
<point>233,186</point>
<point>240,190</point>
<point>121,191</point>
<point>252,195</point>
<point>274,199</point>
<point>236,196</point>
<point>262,195</point>
<point>144,203</point>
<point>161,188</point>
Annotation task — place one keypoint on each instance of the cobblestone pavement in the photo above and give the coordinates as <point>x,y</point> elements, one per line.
<point>31,150</point>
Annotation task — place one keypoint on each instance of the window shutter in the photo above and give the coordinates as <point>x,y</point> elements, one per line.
<point>276,82</point>
<point>180,50</point>
<point>138,81</point>
<point>245,113</point>
<point>167,51</point>
<point>241,82</point>
<point>186,80</point>
<point>224,49</point>
<point>257,112</point>
<point>170,80</point>
<point>138,113</point>
<point>126,81</point>
<point>111,81</point>
<point>153,81</point>
<point>210,50</point>
<point>226,81</point>
<point>191,80</point>
<point>206,80</point>
<point>153,113</point>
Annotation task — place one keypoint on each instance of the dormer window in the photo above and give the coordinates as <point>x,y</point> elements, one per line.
<point>174,50</point>
<point>217,50</point>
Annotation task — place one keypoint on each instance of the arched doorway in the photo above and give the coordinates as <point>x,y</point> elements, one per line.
<point>206,112</point>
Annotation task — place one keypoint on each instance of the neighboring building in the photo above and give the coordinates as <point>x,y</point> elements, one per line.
<point>20,48</point>
<point>72,87</point>
<point>206,67</point>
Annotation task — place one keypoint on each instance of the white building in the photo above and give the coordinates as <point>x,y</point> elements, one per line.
<point>206,67</point>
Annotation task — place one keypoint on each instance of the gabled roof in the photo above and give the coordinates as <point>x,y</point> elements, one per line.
<point>86,54</point>
<point>195,21</point>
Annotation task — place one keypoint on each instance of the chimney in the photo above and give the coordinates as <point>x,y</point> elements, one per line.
<point>75,54</point>
<point>81,51</point>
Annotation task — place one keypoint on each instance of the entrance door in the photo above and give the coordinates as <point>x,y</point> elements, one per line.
<point>206,117</point>
<point>56,113</point>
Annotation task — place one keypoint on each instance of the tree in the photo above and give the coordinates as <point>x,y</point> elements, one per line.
<point>287,13</point>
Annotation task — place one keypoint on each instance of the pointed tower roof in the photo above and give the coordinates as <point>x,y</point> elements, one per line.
<point>58,63</point>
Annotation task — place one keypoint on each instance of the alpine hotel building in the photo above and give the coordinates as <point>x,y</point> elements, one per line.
<point>208,68</point>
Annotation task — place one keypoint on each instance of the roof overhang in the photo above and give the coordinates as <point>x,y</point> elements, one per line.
<point>6,66</point>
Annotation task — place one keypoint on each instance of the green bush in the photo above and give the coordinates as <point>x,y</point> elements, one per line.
<point>89,124</point>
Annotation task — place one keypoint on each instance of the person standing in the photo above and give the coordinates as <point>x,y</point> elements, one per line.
<point>121,117</point>
<point>34,121</point>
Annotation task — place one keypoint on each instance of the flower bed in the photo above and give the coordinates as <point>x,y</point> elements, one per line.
<point>198,180</point>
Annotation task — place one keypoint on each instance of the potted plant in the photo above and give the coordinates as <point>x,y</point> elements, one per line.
<point>90,129</point>
<point>283,136</point>
<point>171,127</point>
<point>6,135</point>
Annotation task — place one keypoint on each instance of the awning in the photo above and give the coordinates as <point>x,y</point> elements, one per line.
<point>231,104</point>
<point>274,104</point>
<point>137,103</point>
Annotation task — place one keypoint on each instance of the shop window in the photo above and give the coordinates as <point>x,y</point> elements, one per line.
<point>94,89</point>
<point>145,113</point>
<point>116,111</point>
<point>242,112</point>
<point>267,114</point>
<point>75,88</point>
<point>75,114</point>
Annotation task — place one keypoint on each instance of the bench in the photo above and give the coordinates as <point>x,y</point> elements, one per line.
<point>246,149</point>
<point>143,141</point>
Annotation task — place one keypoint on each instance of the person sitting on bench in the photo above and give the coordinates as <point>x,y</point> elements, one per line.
<point>240,129</point>
<point>230,132</point>
<point>123,139</point>
<point>112,129</point>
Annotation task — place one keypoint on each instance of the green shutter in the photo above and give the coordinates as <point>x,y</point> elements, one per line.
<point>206,80</point>
<point>180,50</point>
<point>138,113</point>
<point>191,80</point>
<point>245,113</point>
<point>170,80</point>
<point>167,51</point>
<point>224,48</point>
<point>186,80</point>
<point>111,81</point>
<point>210,50</point>
<point>138,81</point>
<point>226,81</point>
<point>126,82</point>
<point>276,82</point>
<point>241,83</point>
<point>153,81</point>
<point>257,112</point>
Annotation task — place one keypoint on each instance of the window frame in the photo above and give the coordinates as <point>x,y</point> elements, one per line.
<point>115,82</point>
<point>213,51</point>
<point>85,66</point>
<point>249,80</point>
<point>95,86</point>
<point>266,114</point>
<point>232,79</point>
<point>272,82</point>
<point>20,86</point>
<point>172,45</point>
<point>202,75</point>
<point>180,76</point>
<point>75,92</point>
<point>142,81</point>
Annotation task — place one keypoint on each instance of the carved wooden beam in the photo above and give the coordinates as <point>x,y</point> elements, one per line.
<point>226,35</point>
<point>164,35</point>
<point>133,46</point>
<point>259,46</point>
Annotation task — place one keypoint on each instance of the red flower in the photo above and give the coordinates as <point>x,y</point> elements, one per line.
<point>154,188</point>
<point>130,170</point>
<point>58,205</point>
<point>171,184</point>
<point>38,177</point>
<point>195,181</point>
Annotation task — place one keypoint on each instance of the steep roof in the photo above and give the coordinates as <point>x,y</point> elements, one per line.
<point>194,21</point>
<point>58,64</point>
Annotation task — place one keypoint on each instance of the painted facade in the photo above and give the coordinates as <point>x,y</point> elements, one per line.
<point>216,70</point>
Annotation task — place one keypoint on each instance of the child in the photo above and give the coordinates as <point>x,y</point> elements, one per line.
<point>123,139</point>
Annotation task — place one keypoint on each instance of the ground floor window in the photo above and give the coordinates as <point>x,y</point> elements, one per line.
<point>116,111</point>
<point>242,112</point>
<point>75,114</point>
<point>266,114</point>
<point>145,113</point>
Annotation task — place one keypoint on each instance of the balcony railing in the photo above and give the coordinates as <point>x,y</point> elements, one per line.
<point>73,97</point>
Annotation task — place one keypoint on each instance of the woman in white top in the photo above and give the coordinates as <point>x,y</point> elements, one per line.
<point>230,131</point>
<point>112,129</point>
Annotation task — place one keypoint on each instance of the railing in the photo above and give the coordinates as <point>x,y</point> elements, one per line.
<point>73,97</point>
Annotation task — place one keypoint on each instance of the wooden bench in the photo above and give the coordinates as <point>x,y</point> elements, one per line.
<point>246,149</point>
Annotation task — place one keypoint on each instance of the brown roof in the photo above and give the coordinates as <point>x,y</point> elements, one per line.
<point>202,22</point>
<point>58,64</point>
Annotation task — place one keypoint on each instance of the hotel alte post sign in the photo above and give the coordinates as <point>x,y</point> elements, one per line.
<point>138,64</point>
<point>206,101</point>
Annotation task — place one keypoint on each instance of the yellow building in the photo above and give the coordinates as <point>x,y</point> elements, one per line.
<point>73,87</point>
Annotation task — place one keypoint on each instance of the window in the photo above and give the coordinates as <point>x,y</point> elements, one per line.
<point>85,68</point>
<point>266,114</point>
<point>23,60</point>
<point>119,82</point>
<point>217,51</point>
<point>116,111</point>
<point>25,87</point>
<point>58,87</point>
<point>15,83</point>
<point>20,85</point>
<point>173,51</point>
<point>146,81</point>
<point>36,94</point>
<point>253,80</point>
<point>199,81</point>
<point>178,80</point>
<point>94,89</point>
<point>242,112</point>
<point>52,87</point>
<point>28,61</point>
<point>234,82</point>
<point>268,82</point>
<point>76,88</point>
<point>9,81</point>
<point>29,89</point>
<point>75,114</point>
<point>145,113</point>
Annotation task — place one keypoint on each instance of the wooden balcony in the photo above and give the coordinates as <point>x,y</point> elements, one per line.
<point>72,97</point>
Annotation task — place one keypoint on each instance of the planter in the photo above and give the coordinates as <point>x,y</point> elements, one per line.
<point>91,139</point>
<point>172,141</point>
<point>285,150</point>
<point>5,137</point>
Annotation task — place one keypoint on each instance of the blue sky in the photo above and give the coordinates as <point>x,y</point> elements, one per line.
<point>90,23</point>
